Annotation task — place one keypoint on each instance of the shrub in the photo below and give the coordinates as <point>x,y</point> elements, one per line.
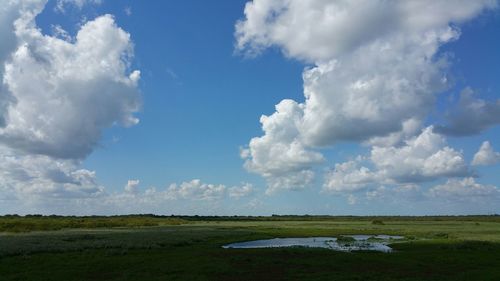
<point>345,239</point>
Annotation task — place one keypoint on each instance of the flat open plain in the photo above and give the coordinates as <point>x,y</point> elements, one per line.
<point>190,248</point>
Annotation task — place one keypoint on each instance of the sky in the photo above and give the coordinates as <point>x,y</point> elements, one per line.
<point>250,107</point>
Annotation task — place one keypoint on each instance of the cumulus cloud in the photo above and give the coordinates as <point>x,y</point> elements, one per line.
<point>85,197</point>
<point>486,155</point>
<point>349,177</point>
<point>67,93</point>
<point>57,95</point>
<point>279,155</point>
<point>375,73</point>
<point>9,12</point>
<point>425,157</point>
<point>471,115</point>
<point>41,177</point>
<point>410,128</point>
<point>292,180</point>
<point>464,190</point>
<point>196,190</point>
<point>321,30</point>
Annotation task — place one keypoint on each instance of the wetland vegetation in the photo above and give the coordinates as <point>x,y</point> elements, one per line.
<point>150,247</point>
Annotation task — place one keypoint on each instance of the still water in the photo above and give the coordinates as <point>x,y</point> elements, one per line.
<point>359,242</point>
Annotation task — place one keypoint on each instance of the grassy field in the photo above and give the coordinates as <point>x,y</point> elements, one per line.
<point>14,223</point>
<point>189,248</point>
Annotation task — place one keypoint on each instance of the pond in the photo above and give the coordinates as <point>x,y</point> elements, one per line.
<point>345,243</point>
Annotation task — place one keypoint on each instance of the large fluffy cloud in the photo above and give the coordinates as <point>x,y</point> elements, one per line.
<point>375,71</point>
<point>321,30</point>
<point>56,98</point>
<point>9,12</point>
<point>279,155</point>
<point>67,93</point>
<point>425,157</point>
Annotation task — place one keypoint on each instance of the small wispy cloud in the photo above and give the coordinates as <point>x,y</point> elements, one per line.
<point>172,74</point>
<point>61,33</point>
<point>62,5</point>
<point>128,11</point>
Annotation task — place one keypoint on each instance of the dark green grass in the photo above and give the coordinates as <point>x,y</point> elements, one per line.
<point>441,250</point>
<point>200,260</point>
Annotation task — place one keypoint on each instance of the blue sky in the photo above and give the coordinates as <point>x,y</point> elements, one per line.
<point>396,91</point>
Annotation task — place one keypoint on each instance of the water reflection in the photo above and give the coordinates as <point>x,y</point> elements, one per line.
<point>346,243</point>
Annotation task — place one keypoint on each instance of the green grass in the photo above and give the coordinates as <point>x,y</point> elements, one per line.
<point>30,223</point>
<point>436,250</point>
<point>379,222</point>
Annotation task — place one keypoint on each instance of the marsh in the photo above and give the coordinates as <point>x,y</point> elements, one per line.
<point>345,243</point>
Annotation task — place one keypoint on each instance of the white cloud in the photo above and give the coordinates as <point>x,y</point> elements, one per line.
<point>464,190</point>
<point>56,97</point>
<point>377,193</point>
<point>486,155</point>
<point>196,190</point>
<point>349,177</point>
<point>463,194</point>
<point>471,115</point>
<point>63,5</point>
<point>240,191</point>
<point>84,196</point>
<point>30,177</point>
<point>67,93</point>
<point>193,191</point>
<point>279,155</point>
<point>9,12</point>
<point>410,128</point>
<point>293,180</point>
<point>394,194</point>
<point>319,30</point>
<point>375,75</point>
<point>59,32</point>
<point>351,199</point>
<point>255,204</point>
<point>421,158</point>
<point>128,11</point>
<point>132,186</point>
<point>369,94</point>
<point>425,157</point>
